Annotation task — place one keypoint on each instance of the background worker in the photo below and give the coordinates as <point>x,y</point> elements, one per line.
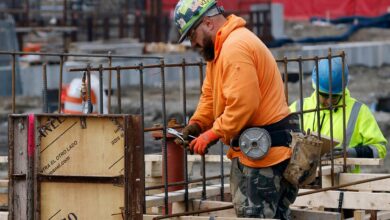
<point>364,138</point>
<point>242,88</point>
<point>75,103</point>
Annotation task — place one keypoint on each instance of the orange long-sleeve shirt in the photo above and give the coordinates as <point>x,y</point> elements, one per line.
<point>242,88</point>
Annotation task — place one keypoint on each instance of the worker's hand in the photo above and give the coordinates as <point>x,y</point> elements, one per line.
<point>351,152</point>
<point>192,129</point>
<point>200,144</point>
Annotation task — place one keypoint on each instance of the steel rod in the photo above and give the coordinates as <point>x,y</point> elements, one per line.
<point>184,96</point>
<point>101,89</point>
<point>44,89</point>
<point>60,84</point>
<point>118,88</point>
<point>164,140</point>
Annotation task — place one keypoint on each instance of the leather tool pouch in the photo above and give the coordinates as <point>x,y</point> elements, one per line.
<point>305,158</point>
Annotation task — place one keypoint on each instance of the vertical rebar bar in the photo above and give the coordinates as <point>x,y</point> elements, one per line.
<point>165,150</point>
<point>184,95</point>
<point>142,111</point>
<point>331,116</point>
<point>343,80</point>
<point>318,112</point>
<point>60,84</point>
<point>90,107</point>
<point>13,83</point>
<point>118,87</point>
<point>301,92</point>
<point>203,156</point>
<point>109,81</point>
<point>285,78</point>
<point>101,89</point>
<point>44,89</point>
<point>222,174</point>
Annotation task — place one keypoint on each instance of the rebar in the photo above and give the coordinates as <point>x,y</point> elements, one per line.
<point>164,131</point>
<point>118,88</point>
<point>142,111</point>
<point>331,116</point>
<point>101,89</point>
<point>44,89</point>
<point>60,85</point>
<point>184,96</point>
<point>109,81</point>
<point>285,78</point>
<point>343,80</point>
<point>301,92</point>
<point>90,106</point>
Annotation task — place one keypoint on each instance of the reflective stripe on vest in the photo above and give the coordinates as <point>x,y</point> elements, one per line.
<point>352,121</point>
<point>76,108</point>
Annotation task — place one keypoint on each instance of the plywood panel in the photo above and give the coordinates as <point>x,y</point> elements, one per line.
<point>352,200</point>
<point>66,148</point>
<point>81,200</point>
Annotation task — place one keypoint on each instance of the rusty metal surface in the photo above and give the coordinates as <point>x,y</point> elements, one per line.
<point>134,161</point>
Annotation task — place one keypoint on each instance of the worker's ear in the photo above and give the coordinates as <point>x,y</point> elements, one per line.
<point>208,24</point>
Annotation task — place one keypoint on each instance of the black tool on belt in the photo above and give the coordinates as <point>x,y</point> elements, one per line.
<point>255,142</point>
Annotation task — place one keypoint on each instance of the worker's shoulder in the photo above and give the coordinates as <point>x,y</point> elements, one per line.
<point>242,37</point>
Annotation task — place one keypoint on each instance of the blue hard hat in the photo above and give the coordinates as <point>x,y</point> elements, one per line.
<point>323,74</point>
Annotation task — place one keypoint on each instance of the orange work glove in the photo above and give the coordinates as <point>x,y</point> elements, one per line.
<point>200,144</point>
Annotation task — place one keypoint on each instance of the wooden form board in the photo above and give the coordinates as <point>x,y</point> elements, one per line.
<point>352,200</point>
<point>344,178</point>
<point>81,201</point>
<point>66,148</point>
<point>84,167</point>
<point>178,196</point>
<point>296,214</point>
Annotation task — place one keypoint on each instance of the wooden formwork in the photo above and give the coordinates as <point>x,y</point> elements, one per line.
<point>80,167</point>
<point>373,196</point>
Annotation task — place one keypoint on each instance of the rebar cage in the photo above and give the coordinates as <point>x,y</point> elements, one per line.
<point>190,75</point>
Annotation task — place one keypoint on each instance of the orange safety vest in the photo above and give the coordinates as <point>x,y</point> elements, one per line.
<point>73,103</point>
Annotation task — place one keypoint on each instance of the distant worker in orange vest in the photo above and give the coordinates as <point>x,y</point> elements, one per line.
<point>243,89</point>
<point>75,103</point>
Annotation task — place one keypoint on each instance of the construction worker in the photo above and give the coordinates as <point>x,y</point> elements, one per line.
<point>75,97</point>
<point>242,89</point>
<point>364,139</point>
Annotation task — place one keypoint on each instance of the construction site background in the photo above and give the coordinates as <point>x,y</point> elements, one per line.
<point>101,32</point>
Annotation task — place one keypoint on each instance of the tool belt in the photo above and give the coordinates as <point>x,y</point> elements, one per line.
<point>254,142</point>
